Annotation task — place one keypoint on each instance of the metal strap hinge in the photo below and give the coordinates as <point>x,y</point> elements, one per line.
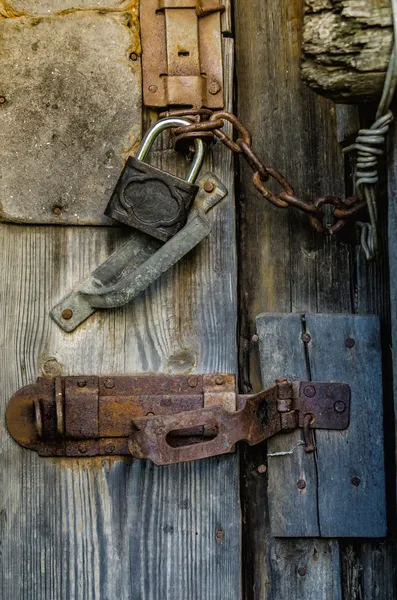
<point>182,53</point>
<point>167,419</point>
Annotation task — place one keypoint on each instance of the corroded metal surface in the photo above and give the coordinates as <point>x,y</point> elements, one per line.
<point>165,418</point>
<point>182,53</point>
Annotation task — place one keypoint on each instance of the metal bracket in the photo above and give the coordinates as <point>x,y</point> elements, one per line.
<point>167,419</point>
<point>138,263</point>
<point>182,53</point>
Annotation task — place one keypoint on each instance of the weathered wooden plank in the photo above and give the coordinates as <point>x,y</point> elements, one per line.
<point>350,463</point>
<point>286,267</point>
<point>96,529</point>
<point>292,512</point>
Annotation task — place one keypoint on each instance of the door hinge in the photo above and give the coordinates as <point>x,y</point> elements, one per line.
<point>167,418</point>
<point>182,53</point>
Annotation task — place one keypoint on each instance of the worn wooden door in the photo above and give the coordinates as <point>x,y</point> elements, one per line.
<point>94,528</point>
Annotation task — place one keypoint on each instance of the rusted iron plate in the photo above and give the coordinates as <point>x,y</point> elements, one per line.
<point>329,405</point>
<point>182,53</point>
<point>81,400</point>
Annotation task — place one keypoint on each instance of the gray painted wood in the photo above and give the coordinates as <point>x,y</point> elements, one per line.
<point>98,529</point>
<point>292,512</point>
<point>346,510</point>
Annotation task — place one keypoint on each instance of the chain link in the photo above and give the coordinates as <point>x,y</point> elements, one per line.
<point>208,124</point>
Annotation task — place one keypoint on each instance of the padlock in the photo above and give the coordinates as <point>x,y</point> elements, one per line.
<point>149,199</point>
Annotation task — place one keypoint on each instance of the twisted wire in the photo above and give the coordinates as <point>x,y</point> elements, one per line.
<point>369,146</point>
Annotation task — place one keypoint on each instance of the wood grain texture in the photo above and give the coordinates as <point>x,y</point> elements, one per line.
<point>345,509</point>
<point>347,47</point>
<point>292,512</point>
<point>285,267</point>
<point>98,529</point>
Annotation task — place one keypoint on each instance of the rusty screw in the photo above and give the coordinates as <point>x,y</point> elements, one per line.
<point>349,343</point>
<point>110,448</point>
<point>309,391</point>
<point>214,87</point>
<point>209,186</point>
<point>262,469</point>
<point>81,383</point>
<point>153,89</point>
<point>192,381</point>
<point>340,406</point>
<point>57,210</point>
<point>306,338</point>
<point>67,314</point>
<point>301,484</point>
<point>133,56</point>
<point>2,99</point>
<point>302,571</point>
<point>219,380</point>
<point>109,384</point>
<point>82,449</point>
<point>356,481</point>
<point>220,534</point>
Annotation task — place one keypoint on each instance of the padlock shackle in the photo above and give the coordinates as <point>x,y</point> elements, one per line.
<point>161,126</point>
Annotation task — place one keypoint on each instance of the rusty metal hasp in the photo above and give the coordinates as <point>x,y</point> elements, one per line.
<point>167,418</point>
<point>182,53</point>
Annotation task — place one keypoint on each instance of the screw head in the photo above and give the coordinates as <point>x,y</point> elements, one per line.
<point>302,571</point>
<point>57,210</point>
<point>301,484</point>
<point>2,99</point>
<point>133,56</point>
<point>150,414</point>
<point>81,383</point>
<point>340,406</point>
<point>214,87</point>
<point>82,449</point>
<point>153,89</point>
<point>219,380</point>
<point>110,448</point>
<point>192,381</point>
<point>310,391</point>
<point>209,187</point>
<point>306,338</point>
<point>262,469</point>
<point>109,384</point>
<point>255,338</point>
<point>350,342</point>
<point>67,314</point>
<point>356,481</point>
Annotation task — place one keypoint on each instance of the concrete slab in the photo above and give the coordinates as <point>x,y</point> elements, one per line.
<point>71,115</point>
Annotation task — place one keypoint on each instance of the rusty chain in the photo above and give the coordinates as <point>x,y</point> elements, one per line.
<point>208,125</point>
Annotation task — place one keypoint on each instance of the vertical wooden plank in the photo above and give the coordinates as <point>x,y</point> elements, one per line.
<point>292,512</point>
<point>102,528</point>
<point>350,463</point>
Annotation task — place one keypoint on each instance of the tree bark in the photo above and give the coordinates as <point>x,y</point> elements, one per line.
<point>346,48</point>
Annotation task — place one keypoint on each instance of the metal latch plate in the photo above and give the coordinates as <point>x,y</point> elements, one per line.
<point>182,53</point>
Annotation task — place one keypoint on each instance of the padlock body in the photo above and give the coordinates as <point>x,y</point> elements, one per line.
<point>150,200</point>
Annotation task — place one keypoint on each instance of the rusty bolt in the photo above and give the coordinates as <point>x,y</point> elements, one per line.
<point>214,87</point>
<point>209,186</point>
<point>81,383</point>
<point>192,381</point>
<point>57,210</point>
<point>109,384</point>
<point>356,481</point>
<point>310,391</point>
<point>301,484</point>
<point>82,449</point>
<point>67,314</point>
<point>262,469</point>
<point>153,89</point>
<point>133,56</point>
<point>255,338</point>
<point>302,571</point>
<point>349,343</point>
<point>219,380</point>
<point>306,338</point>
<point>340,406</point>
<point>220,534</point>
<point>110,448</point>
<point>2,99</point>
